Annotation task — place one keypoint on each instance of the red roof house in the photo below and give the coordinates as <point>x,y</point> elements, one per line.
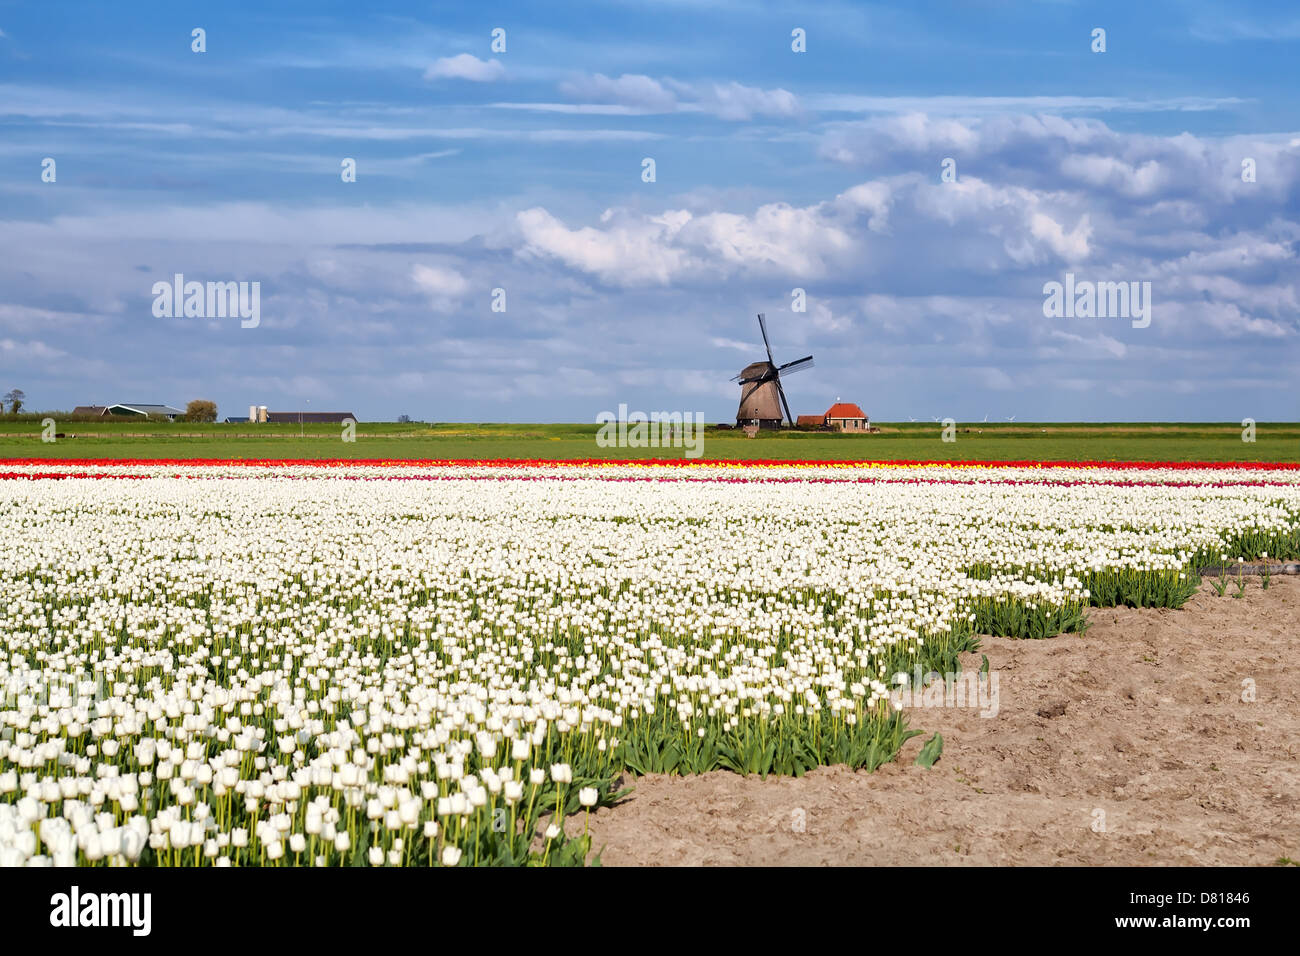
<point>847,417</point>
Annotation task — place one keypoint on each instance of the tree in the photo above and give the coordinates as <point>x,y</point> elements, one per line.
<point>201,410</point>
<point>15,398</point>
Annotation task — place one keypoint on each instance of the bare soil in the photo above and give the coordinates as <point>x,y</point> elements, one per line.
<point>1131,744</point>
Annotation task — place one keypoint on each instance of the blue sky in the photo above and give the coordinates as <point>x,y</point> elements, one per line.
<point>774,170</point>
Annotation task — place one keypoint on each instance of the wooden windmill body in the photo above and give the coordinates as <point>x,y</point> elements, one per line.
<point>762,398</point>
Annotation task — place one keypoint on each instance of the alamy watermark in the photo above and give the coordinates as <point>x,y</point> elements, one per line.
<point>47,688</point>
<point>975,689</point>
<point>212,300</point>
<point>654,430</point>
<point>1103,300</point>
<point>133,911</point>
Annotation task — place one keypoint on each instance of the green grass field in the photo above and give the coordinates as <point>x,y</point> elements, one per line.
<point>1275,442</point>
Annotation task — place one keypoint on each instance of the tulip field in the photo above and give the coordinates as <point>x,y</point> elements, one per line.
<point>337,663</point>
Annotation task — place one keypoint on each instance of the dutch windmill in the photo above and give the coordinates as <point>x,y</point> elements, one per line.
<point>761,396</point>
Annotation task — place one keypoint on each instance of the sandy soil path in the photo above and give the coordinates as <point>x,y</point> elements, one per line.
<point>1129,745</point>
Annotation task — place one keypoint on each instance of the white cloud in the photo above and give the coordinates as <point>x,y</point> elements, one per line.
<point>1088,348</point>
<point>777,237</point>
<point>1124,178</point>
<point>631,90</point>
<point>731,344</point>
<point>973,105</point>
<point>465,66</point>
<point>631,250</point>
<point>872,198</point>
<point>1071,246</point>
<point>1225,317</point>
<point>732,101</point>
<point>637,93</point>
<point>823,319</point>
<point>807,242</point>
<point>574,109</point>
<point>33,351</point>
<point>439,281</point>
<point>1233,253</point>
<point>445,287</point>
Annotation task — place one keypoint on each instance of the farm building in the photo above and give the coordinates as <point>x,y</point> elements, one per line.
<point>811,421</point>
<point>129,410</point>
<point>141,410</point>
<point>847,417</point>
<point>309,417</point>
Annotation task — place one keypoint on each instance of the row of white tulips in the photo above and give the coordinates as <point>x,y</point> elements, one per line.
<point>228,664</point>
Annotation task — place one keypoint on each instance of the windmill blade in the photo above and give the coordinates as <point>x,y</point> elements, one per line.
<point>798,365</point>
<point>789,417</point>
<point>762,324</point>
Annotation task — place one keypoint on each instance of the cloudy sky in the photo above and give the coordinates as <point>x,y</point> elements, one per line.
<point>524,170</point>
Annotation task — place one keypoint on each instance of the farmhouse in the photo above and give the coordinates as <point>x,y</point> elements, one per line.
<point>129,410</point>
<point>847,417</point>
